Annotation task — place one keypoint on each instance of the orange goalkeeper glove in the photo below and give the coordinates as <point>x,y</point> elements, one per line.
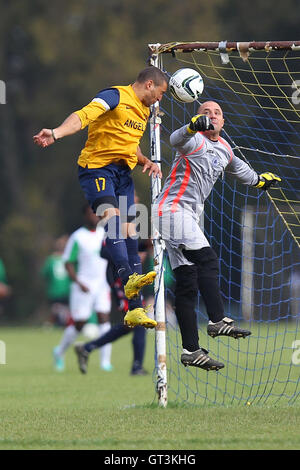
<point>267,180</point>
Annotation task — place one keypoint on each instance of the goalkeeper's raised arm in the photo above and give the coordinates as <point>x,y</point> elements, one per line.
<point>246,175</point>
<point>182,139</point>
<point>201,136</point>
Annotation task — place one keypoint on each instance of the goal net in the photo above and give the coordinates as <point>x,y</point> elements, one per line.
<point>256,234</point>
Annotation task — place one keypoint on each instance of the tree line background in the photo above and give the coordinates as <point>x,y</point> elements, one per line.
<point>54,57</point>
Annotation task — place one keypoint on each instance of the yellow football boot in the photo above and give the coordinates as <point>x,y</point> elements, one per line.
<point>136,282</point>
<point>138,317</point>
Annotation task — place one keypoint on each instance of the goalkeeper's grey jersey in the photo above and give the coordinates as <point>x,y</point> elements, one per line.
<point>198,164</point>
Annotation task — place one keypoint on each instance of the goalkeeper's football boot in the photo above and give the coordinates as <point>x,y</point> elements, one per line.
<point>226,327</point>
<point>82,356</point>
<point>138,317</point>
<point>200,358</point>
<point>136,282</point>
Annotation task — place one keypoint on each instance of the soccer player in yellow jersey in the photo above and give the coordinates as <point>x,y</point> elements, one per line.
<point>117,119</point>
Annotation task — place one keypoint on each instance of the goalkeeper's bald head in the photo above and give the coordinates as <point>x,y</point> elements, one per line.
<point>215,113</point>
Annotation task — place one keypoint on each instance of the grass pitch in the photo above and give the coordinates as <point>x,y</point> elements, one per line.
<point>43,409</point>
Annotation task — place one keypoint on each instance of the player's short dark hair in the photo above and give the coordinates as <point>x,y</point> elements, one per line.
<point>152,73</point>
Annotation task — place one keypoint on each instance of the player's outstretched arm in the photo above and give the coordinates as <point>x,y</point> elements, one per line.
<point>70,126</point>
<point>182,139</point>
<point>267,180</point>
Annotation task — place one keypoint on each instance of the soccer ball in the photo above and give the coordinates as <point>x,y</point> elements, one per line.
<point>186,85</point>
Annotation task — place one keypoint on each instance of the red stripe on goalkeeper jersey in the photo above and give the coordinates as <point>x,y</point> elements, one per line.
<point>222,141</point>
<point>173,179</point>
<point>183,186</point>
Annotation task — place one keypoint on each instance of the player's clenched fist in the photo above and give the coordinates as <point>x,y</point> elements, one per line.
<point>201,123</point>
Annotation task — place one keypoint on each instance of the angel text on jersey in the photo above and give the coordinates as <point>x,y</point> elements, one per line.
<point>134,125</point>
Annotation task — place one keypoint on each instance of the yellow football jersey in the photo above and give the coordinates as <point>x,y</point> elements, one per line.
<point>117,120</point>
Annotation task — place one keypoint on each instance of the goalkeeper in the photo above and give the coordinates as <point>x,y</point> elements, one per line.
<point>202,157</point>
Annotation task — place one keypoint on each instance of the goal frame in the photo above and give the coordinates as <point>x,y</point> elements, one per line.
<point>156,51</point>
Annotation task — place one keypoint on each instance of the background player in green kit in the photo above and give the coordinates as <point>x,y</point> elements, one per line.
<point>57,284</point>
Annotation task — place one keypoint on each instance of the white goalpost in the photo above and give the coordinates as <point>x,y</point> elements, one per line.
<point>255,234</point>
<point>158,252</point>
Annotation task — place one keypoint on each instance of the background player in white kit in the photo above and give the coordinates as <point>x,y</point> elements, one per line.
<point>90,291</point>
<point>202,156</point>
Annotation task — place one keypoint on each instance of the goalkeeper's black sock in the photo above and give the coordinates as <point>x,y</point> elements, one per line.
<point>211,295</point>
<point>186,291</point>
<point>207,265</point>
